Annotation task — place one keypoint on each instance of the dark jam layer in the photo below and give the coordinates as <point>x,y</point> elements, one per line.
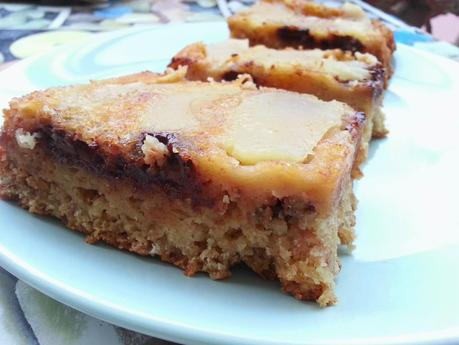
<point>376,82</point>
<point>292,36</point>
<point>177,176</point>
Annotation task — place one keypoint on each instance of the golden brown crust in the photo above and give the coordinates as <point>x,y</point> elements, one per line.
<point>310,8</point>
<point>285,23</point>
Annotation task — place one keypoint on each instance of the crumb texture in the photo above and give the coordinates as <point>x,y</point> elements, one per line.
<point>286,240</point>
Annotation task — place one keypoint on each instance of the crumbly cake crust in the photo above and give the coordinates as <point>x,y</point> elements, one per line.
<point>304,261</point>
<point>171,193</point>
<point>305,24</point>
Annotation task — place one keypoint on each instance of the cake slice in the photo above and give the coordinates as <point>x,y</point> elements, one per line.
<point>305,24</point>
<point>354,78</point>
<point>203,175</point>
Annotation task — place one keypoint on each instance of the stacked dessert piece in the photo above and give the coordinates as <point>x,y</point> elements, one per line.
<point>207,174</point>
<point>354,78</point>
<point>305,24</point>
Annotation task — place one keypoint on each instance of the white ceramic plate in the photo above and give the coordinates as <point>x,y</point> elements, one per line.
<point>400,286</point>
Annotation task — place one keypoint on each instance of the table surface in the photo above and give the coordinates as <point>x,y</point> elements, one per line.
<point>26,315</point>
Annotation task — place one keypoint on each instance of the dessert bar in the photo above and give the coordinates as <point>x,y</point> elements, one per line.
<point>305,24</point>
<point>202,175</point>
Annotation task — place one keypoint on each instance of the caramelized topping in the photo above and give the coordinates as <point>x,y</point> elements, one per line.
<point>343,66</point>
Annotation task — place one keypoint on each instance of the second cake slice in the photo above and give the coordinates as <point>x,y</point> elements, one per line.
<point>305,24</point>
<point>354,78</point>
